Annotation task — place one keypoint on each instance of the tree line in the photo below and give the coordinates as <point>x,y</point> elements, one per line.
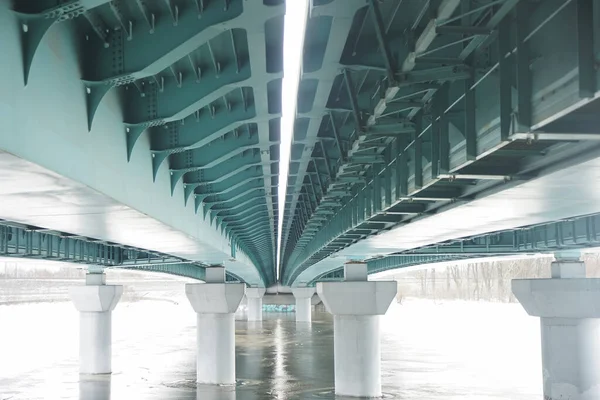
<point>481,281</point>
<point>17,270</point>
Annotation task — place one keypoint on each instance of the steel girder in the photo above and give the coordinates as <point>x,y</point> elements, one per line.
<point>183,270</point>
<point>571,234</point>
<point>202,78</point>
<point>25,241</point>
<point>461,98</point>
<point>393,262</point>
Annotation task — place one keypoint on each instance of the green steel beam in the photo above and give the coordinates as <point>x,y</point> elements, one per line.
<point>203,78</point>
<point>443,116</point>
<point>25,241</point>
<point>36,22</point>
<point>145,57</point>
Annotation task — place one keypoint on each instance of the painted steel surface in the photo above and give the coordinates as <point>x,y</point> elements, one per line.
<point>155,124</point>
<point>437,121</point>
<point>162,118</point>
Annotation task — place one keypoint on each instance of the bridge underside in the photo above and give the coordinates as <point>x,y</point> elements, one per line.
<point>577,233</point>
<point>149,124</point>
<point>92,230</point>
<point>426,121</point>
<point>156,125</point>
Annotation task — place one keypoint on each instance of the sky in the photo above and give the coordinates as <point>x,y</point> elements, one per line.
<point>293,42</point>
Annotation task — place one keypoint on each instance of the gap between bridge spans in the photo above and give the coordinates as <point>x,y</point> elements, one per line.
<point>294,32</point>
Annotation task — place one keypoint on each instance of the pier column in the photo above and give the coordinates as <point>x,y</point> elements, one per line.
<point>95,302</point>
<point>356,305</point>
<point>568,305</point>
<point>215,303</point>
<point>303,296</point>
<point>254,297</point>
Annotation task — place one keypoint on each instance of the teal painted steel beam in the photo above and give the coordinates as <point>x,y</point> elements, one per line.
<point>197,132</point>
<point>185,161</point>
<point>184,270</point>
<point>523,81</point>
<point>187,97</point>
<point>575,233</point>
<point>250,75</point>
<point>406,79</point>
<point>585,48</point>
<point>25,241</point>
<point>208,205</point>
<point>216,211</point>
<point>251,237</point>
<point>413,154</point>
<point>248,165</point>
<point>242,216</point>
<point>36,22</point>
<point>382,40</point>
<point>192,271</point>
<point>219,212</point>
<point>216,192</point>
<point>354,102</point>
<point>243,221</point>
<point>342,14</point>
<point>175,71</point>
<point>143,56</point>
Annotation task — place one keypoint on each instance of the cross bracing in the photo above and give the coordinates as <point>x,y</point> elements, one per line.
<point>200,78</point>
<point>578,233</point>
<point>407,107</point>
<point>31,242</point>
<point>405,110</point>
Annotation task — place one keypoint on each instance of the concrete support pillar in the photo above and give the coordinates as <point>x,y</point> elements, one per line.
<point>356,305</point>
<point>568,305</point>
<point>215,303</point>
<point>95,302</point>
<point>303,296</point>
<point>254,297</point>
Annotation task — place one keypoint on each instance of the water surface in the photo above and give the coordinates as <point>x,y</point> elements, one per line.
<point>449,351</point>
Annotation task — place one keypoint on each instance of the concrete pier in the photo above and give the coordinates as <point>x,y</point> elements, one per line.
<point>303,296</point>
<point>568,305</point>
<point>95,302</point>
<point>254,297</point>
<point>356,305</point>
<point>215,303</point>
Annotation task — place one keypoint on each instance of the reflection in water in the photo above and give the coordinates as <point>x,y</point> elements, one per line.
<point>94,387</point>
<point>212,392</point>
<point>280,377</point>
<point>99,388</point>
<point>450,351</point>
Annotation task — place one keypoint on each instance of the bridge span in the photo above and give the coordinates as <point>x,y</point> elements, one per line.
<point>150,135</point>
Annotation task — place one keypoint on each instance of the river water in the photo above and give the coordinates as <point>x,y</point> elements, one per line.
<point>430,350</point>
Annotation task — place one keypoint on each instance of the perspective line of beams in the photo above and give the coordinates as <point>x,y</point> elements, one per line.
<point>189,34</point>
<point>503,128</point>
<point>445,10</point>
<point>342,12</point>
<point>248,20</point>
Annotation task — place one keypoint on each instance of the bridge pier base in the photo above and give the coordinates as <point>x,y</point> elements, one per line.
<point>215,303</point>
<point>569,311</point>
<point>95,302</point>
<point>356,305</point>
<point>303,296</point>
<point>254,297</point>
